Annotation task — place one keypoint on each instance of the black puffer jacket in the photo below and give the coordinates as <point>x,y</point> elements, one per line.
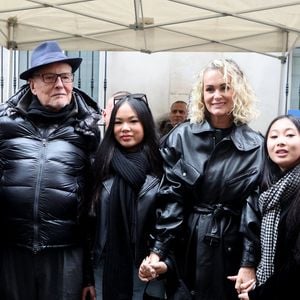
<point>44,171</point>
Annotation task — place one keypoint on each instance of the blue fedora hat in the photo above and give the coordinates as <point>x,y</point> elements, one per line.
<point>47,53</point>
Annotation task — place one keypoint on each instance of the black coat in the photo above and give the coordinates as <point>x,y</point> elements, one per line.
<point>282,285</point>
<point>44,171</point>
<point>206,190</point>
<point>146,217</point>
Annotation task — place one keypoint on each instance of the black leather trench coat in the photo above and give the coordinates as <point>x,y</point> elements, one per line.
<point>205,194</point>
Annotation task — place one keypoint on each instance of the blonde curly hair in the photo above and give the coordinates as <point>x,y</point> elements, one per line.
<point>243,95</point>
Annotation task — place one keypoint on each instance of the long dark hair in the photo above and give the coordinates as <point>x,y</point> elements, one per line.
<point>272,171</point>
<point>149,144</point>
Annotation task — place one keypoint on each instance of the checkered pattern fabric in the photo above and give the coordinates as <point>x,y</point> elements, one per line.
<point>269,204</point>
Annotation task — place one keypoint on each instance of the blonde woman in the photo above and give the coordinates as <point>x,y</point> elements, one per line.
<point>212,171</point>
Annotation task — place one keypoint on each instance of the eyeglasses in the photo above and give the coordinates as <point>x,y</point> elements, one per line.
<point>52,77</point>
<point>141,97</point>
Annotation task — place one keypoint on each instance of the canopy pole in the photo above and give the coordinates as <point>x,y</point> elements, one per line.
<point>105,78</point>
<point>287,89</point>
<point>284,77</point>
<point>1,76</point>
<point>11,46</point>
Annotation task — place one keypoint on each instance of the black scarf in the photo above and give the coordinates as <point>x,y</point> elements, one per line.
<point>130,170</point>
<point>37,110</point>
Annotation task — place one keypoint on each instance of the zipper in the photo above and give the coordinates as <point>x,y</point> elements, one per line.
<point>36,246</point>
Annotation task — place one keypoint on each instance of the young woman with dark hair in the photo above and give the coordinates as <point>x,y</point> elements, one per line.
<point>278,273</point>
<point>128,169</point>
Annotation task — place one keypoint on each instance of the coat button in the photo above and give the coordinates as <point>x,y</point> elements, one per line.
<point>183,174</point>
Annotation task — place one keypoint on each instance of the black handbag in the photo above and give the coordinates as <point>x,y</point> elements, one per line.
<point>148,297</point>
<point>180,292</point>
<point>176,288</point>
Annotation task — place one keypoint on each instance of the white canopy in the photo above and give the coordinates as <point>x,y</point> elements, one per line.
<point>150,26</point>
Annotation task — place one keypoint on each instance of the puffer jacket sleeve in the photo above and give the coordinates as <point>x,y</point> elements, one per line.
<point>88,119</point>
<point>250,228</point>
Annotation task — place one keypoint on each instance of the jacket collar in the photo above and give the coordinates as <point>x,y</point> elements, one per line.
<point>149,183</point>
<point>243,137</point>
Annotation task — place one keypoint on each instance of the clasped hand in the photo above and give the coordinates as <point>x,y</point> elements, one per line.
<point>244,282</point>
<point>151,267</point>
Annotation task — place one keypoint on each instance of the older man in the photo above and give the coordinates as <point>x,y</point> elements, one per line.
<point>48,133</point>
<point>178,114</point>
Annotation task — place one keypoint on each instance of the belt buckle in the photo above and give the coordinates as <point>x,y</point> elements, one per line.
<point>212,240</point>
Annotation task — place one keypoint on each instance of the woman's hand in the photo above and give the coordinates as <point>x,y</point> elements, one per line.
<point>243,296</point>
<point>152,267</point>
<point>159,267</point>
<point>88,293</point>
<point>244,279</point>
<point>245,288</point>
<point>146,271</point>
